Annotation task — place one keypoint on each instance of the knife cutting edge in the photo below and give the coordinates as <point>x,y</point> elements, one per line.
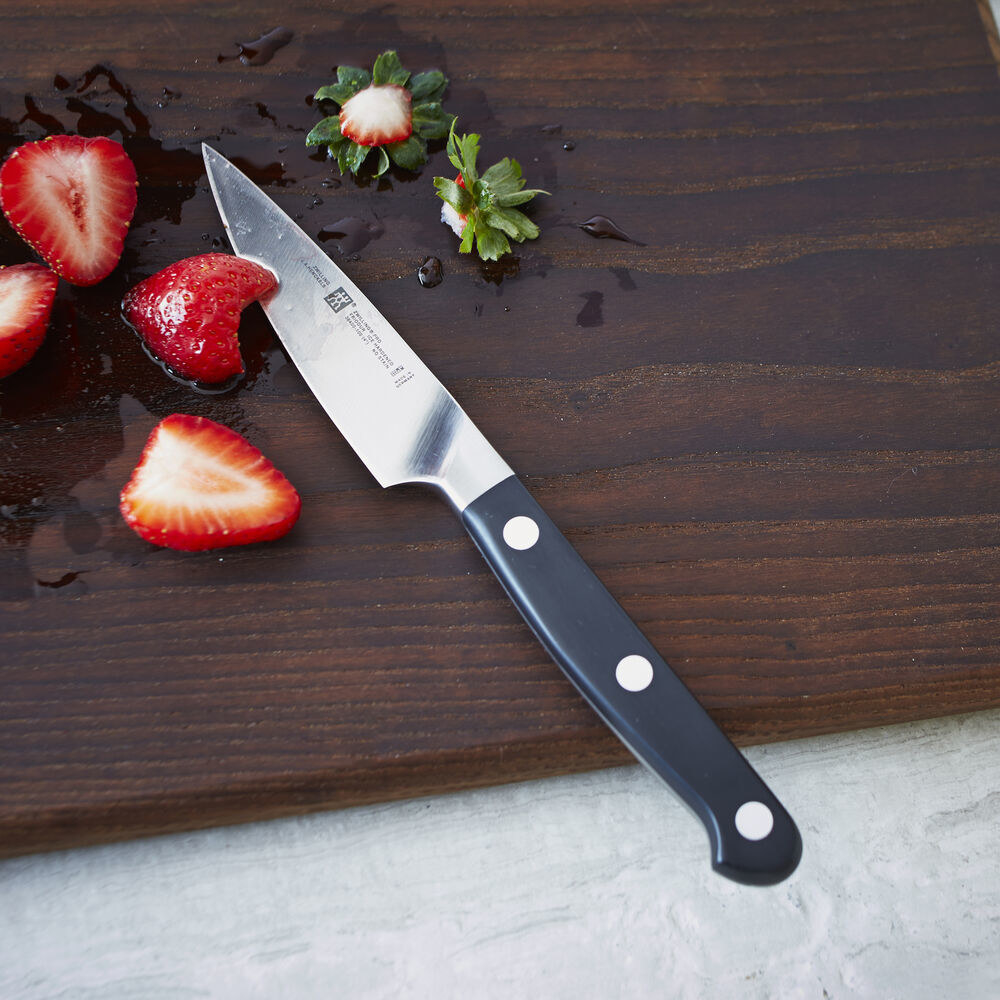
<point>407,428</point>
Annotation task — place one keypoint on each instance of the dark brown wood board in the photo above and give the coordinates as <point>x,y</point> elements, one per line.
<point>769,421</point>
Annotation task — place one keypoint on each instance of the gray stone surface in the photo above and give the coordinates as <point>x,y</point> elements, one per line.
<point>595,885</point>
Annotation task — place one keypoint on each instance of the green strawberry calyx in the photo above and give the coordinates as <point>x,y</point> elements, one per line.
<point>429,120</point>
<point>485,202</point>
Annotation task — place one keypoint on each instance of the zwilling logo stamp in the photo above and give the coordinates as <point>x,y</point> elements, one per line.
<point>338,299</point>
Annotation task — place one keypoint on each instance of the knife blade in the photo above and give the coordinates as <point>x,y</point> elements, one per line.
<point>407,428</point>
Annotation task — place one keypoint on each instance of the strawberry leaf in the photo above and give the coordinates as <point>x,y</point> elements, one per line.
<point>491,244</point>
<point>427,118</point>
<point>430,121</point>
<point>340,93</point>
<point>454,195</point>
<point>354,77</point>
<point>468,236</point>
<point>507,185</point>
<point>504,177</point>
<point>514,223</point>
<point>486,200</point>
<point>499,221</point>
<point>463,153</point>
<point>518,198</point>
<point>356,156</point>
<point>428,86</point>
<point>409,154</point>
<point>389,70</point>
<point>326,132</point>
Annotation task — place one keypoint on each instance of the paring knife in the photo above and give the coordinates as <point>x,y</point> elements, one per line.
<point>407,428</point>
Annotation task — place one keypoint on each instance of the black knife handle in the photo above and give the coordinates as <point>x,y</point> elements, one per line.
<point>616,668</point>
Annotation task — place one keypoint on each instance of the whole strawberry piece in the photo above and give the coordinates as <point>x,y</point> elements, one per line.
<point>200,485</point>
<point>26,294</point>
<point>71,199</point>
<point>189,313</point>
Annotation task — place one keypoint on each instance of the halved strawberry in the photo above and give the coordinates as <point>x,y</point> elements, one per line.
<point>26,294</point>
<point>189,313</point>
<point>378,115</point>
<point>200,485</point>
<point>71,199</point>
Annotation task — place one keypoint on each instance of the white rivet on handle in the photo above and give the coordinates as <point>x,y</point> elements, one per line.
<point>754,820</point>
<point>634,672</point>
<point>520,532</point>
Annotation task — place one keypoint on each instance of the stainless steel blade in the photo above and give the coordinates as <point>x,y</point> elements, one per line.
<point>403,423</point>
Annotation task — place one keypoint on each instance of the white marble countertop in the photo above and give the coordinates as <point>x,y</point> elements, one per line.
<point>595,885</point>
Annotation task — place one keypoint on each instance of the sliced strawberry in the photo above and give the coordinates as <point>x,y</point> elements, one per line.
<point>451,217</point>
<point>189,313</point>
<point>26,294</point>
<point>71,199</point>
<point>200,485</point>
<point>377,115</point>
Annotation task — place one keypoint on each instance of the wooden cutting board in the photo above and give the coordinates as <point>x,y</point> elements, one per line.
<point>769,420</point>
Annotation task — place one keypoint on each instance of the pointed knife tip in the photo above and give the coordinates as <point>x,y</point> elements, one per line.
<point>208,153</point>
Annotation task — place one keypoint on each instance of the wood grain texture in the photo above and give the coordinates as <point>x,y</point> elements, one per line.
<point>769,423</point>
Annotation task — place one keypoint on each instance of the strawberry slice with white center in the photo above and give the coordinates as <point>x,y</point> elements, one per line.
<point>200,485</point>
<point>26,295</point>
<point>71,199</point>
<point>378,115</point>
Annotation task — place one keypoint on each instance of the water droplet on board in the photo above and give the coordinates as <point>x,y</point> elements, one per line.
<point>430,273</point>
<point>64,581</point>
<point>592,313</point>
<point>351,234</point>
<point>625,281</point>
<point>261,50</point>
<point>603,228</point>
<point>494,271</point>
